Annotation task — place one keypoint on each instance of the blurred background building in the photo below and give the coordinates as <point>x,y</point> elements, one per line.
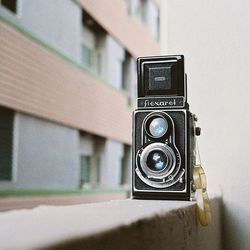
<point>68,86</point>
<point>67,89</point>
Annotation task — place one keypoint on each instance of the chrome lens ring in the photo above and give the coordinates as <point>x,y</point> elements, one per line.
<point>167,170</point>
<point>156,125</point>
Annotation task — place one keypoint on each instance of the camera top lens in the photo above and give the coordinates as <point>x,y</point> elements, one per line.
<point>157,160</point>
<point>158,127</point>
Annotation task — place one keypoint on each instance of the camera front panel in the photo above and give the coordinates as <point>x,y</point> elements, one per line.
<point>160,151</point>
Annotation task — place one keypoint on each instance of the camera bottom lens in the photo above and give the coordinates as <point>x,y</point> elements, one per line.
<point>157,160</point>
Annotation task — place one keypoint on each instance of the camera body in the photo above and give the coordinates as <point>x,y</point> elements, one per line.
<point>164,131</point>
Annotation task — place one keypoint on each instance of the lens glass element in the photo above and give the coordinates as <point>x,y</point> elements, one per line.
<point>158,127</point>
<point>157,160</point>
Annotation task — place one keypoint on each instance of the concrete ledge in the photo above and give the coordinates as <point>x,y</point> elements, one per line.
<point>124,224</point>
<point>31,201</point>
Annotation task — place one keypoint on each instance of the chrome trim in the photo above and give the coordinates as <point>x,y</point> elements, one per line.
<point>164,172</point>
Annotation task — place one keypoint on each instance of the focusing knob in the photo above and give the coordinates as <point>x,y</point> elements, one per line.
<point>197,131</point>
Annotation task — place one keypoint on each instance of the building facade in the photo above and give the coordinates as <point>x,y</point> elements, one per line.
<point>68,87</point>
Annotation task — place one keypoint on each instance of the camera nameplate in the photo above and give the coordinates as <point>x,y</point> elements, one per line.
<point>161,102</point>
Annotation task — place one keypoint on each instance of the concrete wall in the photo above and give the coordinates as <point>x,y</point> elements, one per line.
<point>114,54</point>
<point>126,167</point>
<point>130,79</point>
<point>148,15</point>
<point>57,22</point>
<point>47,154</point>
<point>86,144</point>
<point>152,18</point>
<point>215,38</point>
<point>93,147</point>
<point>113,15</point>
<point>108,154</point>
<point>38,82</point>
<point>111,164</point>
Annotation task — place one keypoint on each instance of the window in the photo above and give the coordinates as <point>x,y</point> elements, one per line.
<point>128,6</point>
<point>125,71</point>
<point>140,11</point>
<point>99,63</point>
<point>10,5</point>
<point>118,75</point>
<point>158,26</point>
<point>86,57</point>
<point>143,11</point>
<point>6,145</point>
<point>92,46</point>
<point>85,169</point>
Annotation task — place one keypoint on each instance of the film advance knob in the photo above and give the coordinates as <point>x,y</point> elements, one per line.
<point>197,131</point>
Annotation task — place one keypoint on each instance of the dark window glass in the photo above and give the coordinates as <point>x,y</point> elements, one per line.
<point>10,5</point>
<point>6,143</point>
<point>125,71</point>
<point>85,169</point>
<point>86,57</point>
